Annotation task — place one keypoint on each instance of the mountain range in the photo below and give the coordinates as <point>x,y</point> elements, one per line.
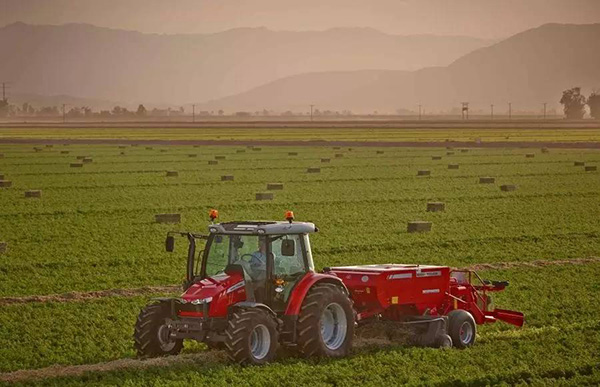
<point>527,70</point>
<point>117,65</point>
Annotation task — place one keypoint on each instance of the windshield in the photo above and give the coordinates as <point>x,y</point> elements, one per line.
<point>250,252</point>
<point>227,249</point>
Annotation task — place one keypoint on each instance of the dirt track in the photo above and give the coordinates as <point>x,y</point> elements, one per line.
<point>298,143</point>
<point>150,290</point>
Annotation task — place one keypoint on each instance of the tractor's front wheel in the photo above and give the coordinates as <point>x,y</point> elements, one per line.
<point>151,336</point>
<point>326,322</point>
<point>251,336</point>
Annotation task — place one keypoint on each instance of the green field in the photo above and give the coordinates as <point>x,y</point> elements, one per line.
<point>310,134</point>
<point>93,229</point>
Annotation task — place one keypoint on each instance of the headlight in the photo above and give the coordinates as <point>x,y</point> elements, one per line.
<point>212,229</point>
<point>201,301</point>
<point>260,231</point>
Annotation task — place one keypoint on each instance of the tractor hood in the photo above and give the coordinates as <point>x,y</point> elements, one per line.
<point>209,289</point>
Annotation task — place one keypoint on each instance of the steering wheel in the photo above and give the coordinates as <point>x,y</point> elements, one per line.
<point>246,255</point>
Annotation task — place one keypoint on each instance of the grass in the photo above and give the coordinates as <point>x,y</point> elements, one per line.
<point>309,134</point>
<point>94,229</point>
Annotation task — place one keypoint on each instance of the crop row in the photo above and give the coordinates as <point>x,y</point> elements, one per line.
<point>559,307</point>
<point>332,134</point>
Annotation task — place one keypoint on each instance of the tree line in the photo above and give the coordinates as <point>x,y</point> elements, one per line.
<point>574,103</point>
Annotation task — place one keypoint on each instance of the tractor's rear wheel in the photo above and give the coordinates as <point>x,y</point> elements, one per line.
<point>251,336</point>
<point>326,322</point>
<point>151,335</point>
<point>461,328</point>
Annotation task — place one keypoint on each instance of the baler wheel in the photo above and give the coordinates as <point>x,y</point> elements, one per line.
<point>251,336</point>
<point>151,335</point>
<point>461,328</point>
<point>326,322</point>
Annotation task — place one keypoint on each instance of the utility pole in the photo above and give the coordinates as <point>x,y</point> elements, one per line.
<point>63,112</point>
<point>420,112</point>
<point>311,112</point>
<point>492,111</point>
<point>193,113</point>
<point>545,103</point>
<point>510,110</point>
<point>4,91</point>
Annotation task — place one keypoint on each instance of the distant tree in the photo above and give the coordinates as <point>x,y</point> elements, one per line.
<point>48,111</point>
<point>141,110</point>
<point>594,104</point>
<point>573,103</point>
<point>4,107</point>
<point>27,109</point>
<point>221,112</point>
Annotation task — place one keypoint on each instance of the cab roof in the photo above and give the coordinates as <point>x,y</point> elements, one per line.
<point>262,228</point>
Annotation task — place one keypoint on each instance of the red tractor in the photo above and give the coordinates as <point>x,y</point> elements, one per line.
<point>254,287</point>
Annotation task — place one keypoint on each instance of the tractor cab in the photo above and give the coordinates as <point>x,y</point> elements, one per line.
<point>270,256</point>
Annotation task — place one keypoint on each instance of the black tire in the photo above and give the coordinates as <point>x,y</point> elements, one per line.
<point>151,333</point>
<point>251,336</point>
<point>462,328</point>
<point>317,305</point>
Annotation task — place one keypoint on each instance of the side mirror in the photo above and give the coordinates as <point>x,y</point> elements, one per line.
<point>170,243</point>
<point>288,247</point>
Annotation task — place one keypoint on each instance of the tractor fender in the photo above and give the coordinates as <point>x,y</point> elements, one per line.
<point>303,287</point>
<point>250,304</point>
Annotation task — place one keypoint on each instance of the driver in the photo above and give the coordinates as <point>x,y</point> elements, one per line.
<point>258,262</point>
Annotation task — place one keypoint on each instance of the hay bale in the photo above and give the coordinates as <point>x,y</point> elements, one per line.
<point>81,157</point>
<point>219,157</point>
<point>135,144</point>
<point>508,187</point>
<point>213,162</point>
<point>464,150</point>
<point>122,153</point>
<point>419,226</point>
<point>172,173</point>
<point>449,153</point>
<point>227,178</point>
<point>590,168</point>
<point>249,146</point>
<point>530,155</point>
<point>274,186</point>
<point>423,173</point>
<point>264,196</point>
<point>5,183</point>
<point>3,247</point>
<point>192,155</point>
<point>579,163</point>
<point>167,218</point>
<point>337,148</point>
<point>339,155</point>
<point>256,149</point>
<point>436,207</point>
<point>64,152</point>
<point>163,150</point>
<point>487,180</point>
<point>436,157</point>
<point>313,170</point>
<point>449,147</point>
<point>196,146</point>
<point>87,160</point>
<point>76,165</point>
<point>325,160</point>
<point>49,145</point>
<point>149,148</point>
<point>33,194</point>
<point>292,153</point>
<point>122,147</point>
<point>452,166</point>
<point>545,150</point>
<point>240,151</point>
<point>379,152</point>
<point>37,149</point>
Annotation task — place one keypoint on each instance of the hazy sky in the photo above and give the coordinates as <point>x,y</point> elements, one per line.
<point>481,18</point>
